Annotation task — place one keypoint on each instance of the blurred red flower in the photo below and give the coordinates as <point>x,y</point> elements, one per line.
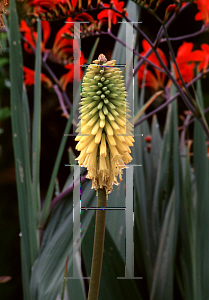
<point>45,6</point>
<point>73,2</point>
<point>202,56</point>
<point>110,13</point>
<point>203,14</point>
<point>49,3</point>
<point>63,47</point>
<point>185,62</point>
<point>69,76</point>
<point>31,35</point>
<point>156,80</point>
<point>29,78</point>
<point>168,10</point>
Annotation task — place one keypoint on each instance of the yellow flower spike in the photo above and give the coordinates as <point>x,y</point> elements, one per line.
<point>102,123</point>
<point>127,158</point>
<point>125,132</point>
<point>95,128</point>
<point>81,158</point>
<point>105,110</point>
<point>117,103</point>
<point>121,122</point>
<point>101,115</point>
<point>122,147</point>
<point>110,117</point>
<point>114,151</point>
<point>87,117</point>
<point>115,125</point>
<point>98,136</point>
<point>114,113</point>
<point>95,110</point>
<point>123,111</point>
<point>91,147</point>
<point>84,129</point>
<point>102,164</point>
<point>130,137</point>
<point>129,126</point>
<point>111,106</point>
<point>92,160</point>
<point>110,63</point>
<point>92,121</point>
<point>87,160</point>
<point>111,140</point>
<point>129,140</point>
<point>104,117</point>
<point>83,122</point>
<point>108,128</point>
<point>103,146</point>
<point>91,105</point>
<point>82,138</point>
<point>80,146</point>
<point>120,137</point>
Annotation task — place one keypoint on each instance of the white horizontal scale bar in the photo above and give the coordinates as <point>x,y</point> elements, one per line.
<point>86,65</point>
<point>129,22</point>
<point>131,165</point>
<point>129,277</point>
<point>103,208</point>
<point>79,22</point>
<point>77,278</point>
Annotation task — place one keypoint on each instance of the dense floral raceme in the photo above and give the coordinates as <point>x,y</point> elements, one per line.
<point>105,133</point>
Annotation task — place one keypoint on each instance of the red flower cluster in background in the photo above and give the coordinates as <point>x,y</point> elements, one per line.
<point>29,76</point>
<point>65,7</point>
<point>31,35</point>
<point>202,56</point>
<point>110,14</point>
<point>203,14</point>
<point>68,77</point>
<point>185,60</point>
<point>155,79</point>
<point>62,49</point>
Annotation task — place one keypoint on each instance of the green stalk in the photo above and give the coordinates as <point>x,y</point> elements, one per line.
<point>99,236</point>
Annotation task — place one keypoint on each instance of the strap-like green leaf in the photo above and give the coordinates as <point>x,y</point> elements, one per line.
<point>201,171</point>
<point>36,139</point>
<point>21,141</point>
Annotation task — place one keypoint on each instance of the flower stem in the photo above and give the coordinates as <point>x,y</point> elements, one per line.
<point>98,246</point>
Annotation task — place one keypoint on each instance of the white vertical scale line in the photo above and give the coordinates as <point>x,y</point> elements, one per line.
<point>129,65</point>
<point>129,272</point>
<point>129,243</point>
<point>76,71</point>
<point>76,221</point>
<point>129,234</point>
<point>77,55</point>
<point>129,250</point>
<point>76,189</point>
